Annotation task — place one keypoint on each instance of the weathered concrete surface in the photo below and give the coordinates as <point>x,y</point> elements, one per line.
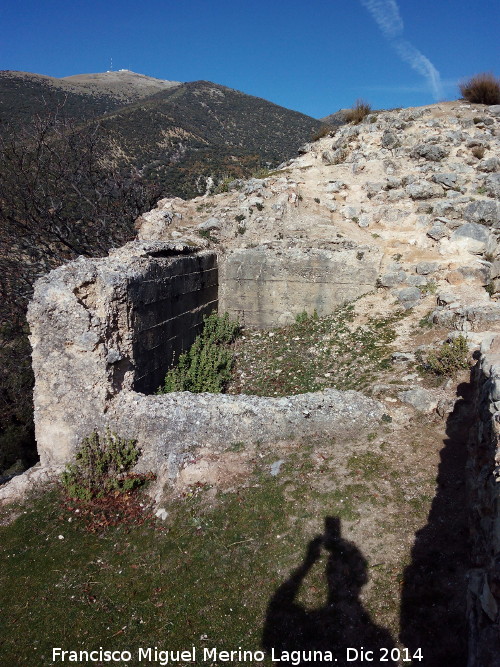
<point>168,426</point>
<point>265,287</point>
<point>167,307</point>
<point>107,325</point>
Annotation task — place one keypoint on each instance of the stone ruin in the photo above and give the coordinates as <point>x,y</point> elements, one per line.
<point>400,203</point>
<point>117,323</point>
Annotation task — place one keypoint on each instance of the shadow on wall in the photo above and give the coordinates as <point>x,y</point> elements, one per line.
<point>342,625</point>
<point>433,598</point>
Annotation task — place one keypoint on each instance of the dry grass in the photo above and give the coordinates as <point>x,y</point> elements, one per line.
<point>324,131</point>
<point>482,88</point>
<point>360,110</point>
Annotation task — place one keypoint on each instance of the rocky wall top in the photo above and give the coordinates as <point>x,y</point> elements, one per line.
<point>419,187</point>
<point>483,602</point>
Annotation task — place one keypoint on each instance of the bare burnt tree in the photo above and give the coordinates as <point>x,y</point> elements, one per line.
<point>62,194</point>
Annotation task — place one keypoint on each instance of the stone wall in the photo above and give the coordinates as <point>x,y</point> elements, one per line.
<point>102,326</point>
<point>103,332</point>
<point>483,603</point>
<point>167,306</point>
<point>268,287</point>
<point>171,426</point>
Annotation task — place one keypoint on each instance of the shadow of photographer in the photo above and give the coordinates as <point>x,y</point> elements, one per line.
<point>341,626</point>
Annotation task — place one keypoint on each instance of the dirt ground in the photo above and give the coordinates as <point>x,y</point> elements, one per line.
<point>379,527</point>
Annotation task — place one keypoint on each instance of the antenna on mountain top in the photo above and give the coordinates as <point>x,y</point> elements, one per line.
<point>111,66</point>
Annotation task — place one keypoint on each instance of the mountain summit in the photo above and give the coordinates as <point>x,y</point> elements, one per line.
<point>122,84</point>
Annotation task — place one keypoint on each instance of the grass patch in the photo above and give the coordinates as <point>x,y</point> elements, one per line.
<point>205,234</point>
<point>137,586</point>
<point>313,353</point>
<point>426,321</point>
<point>367,465</point>
<point>207,575</point>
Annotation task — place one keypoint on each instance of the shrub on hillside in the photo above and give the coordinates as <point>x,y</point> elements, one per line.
<point>449,359</point>
<point>482,88</point>
<point>207,365</point>
<point>61,196</point>
<point>102,465</point>
<point>324,131</point>
<point>360,110</point>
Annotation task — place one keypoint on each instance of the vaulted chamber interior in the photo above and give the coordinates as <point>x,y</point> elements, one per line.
<point>167,304</point>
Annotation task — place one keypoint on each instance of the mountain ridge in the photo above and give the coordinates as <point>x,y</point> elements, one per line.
<point>183,136</point>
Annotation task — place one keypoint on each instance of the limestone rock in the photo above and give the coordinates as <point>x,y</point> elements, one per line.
<point>22,486</point>
<point>422,400</point>
<point>389,140</point>
<point>438,231</point>
<point>424,268</point>
<point>209,225</point>
<point>392,279</point>
<point>335,186</point>
<point>489,164</point>
<point>423,190</point>
<point>409,297</point>
<point>485,212</point>
<point>447,180</point>
<point>334,157</point>
<point>472,230</point>
<point>492,185</point>
<point>430,152</point>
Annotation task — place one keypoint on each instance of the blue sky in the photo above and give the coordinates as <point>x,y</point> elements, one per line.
<point>308,55</point>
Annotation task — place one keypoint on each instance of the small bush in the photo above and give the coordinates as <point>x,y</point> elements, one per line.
<point>449,359</point>
<point>478,152</point>
<point>263,172</point>
<point>303,317</point>
<point>205,234</point>
<point>207,365</point>
<point>483,88</point>
<point>226,183</point>
<point>426,321</point>
<point>223,186</point>
<point>324,131</point>
<point>360,110</point>
<point>102,465</point>
<point>428,288</point>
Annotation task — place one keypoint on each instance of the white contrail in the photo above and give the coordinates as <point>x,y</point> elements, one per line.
<point>421,64</point>
<point>387,16</point>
